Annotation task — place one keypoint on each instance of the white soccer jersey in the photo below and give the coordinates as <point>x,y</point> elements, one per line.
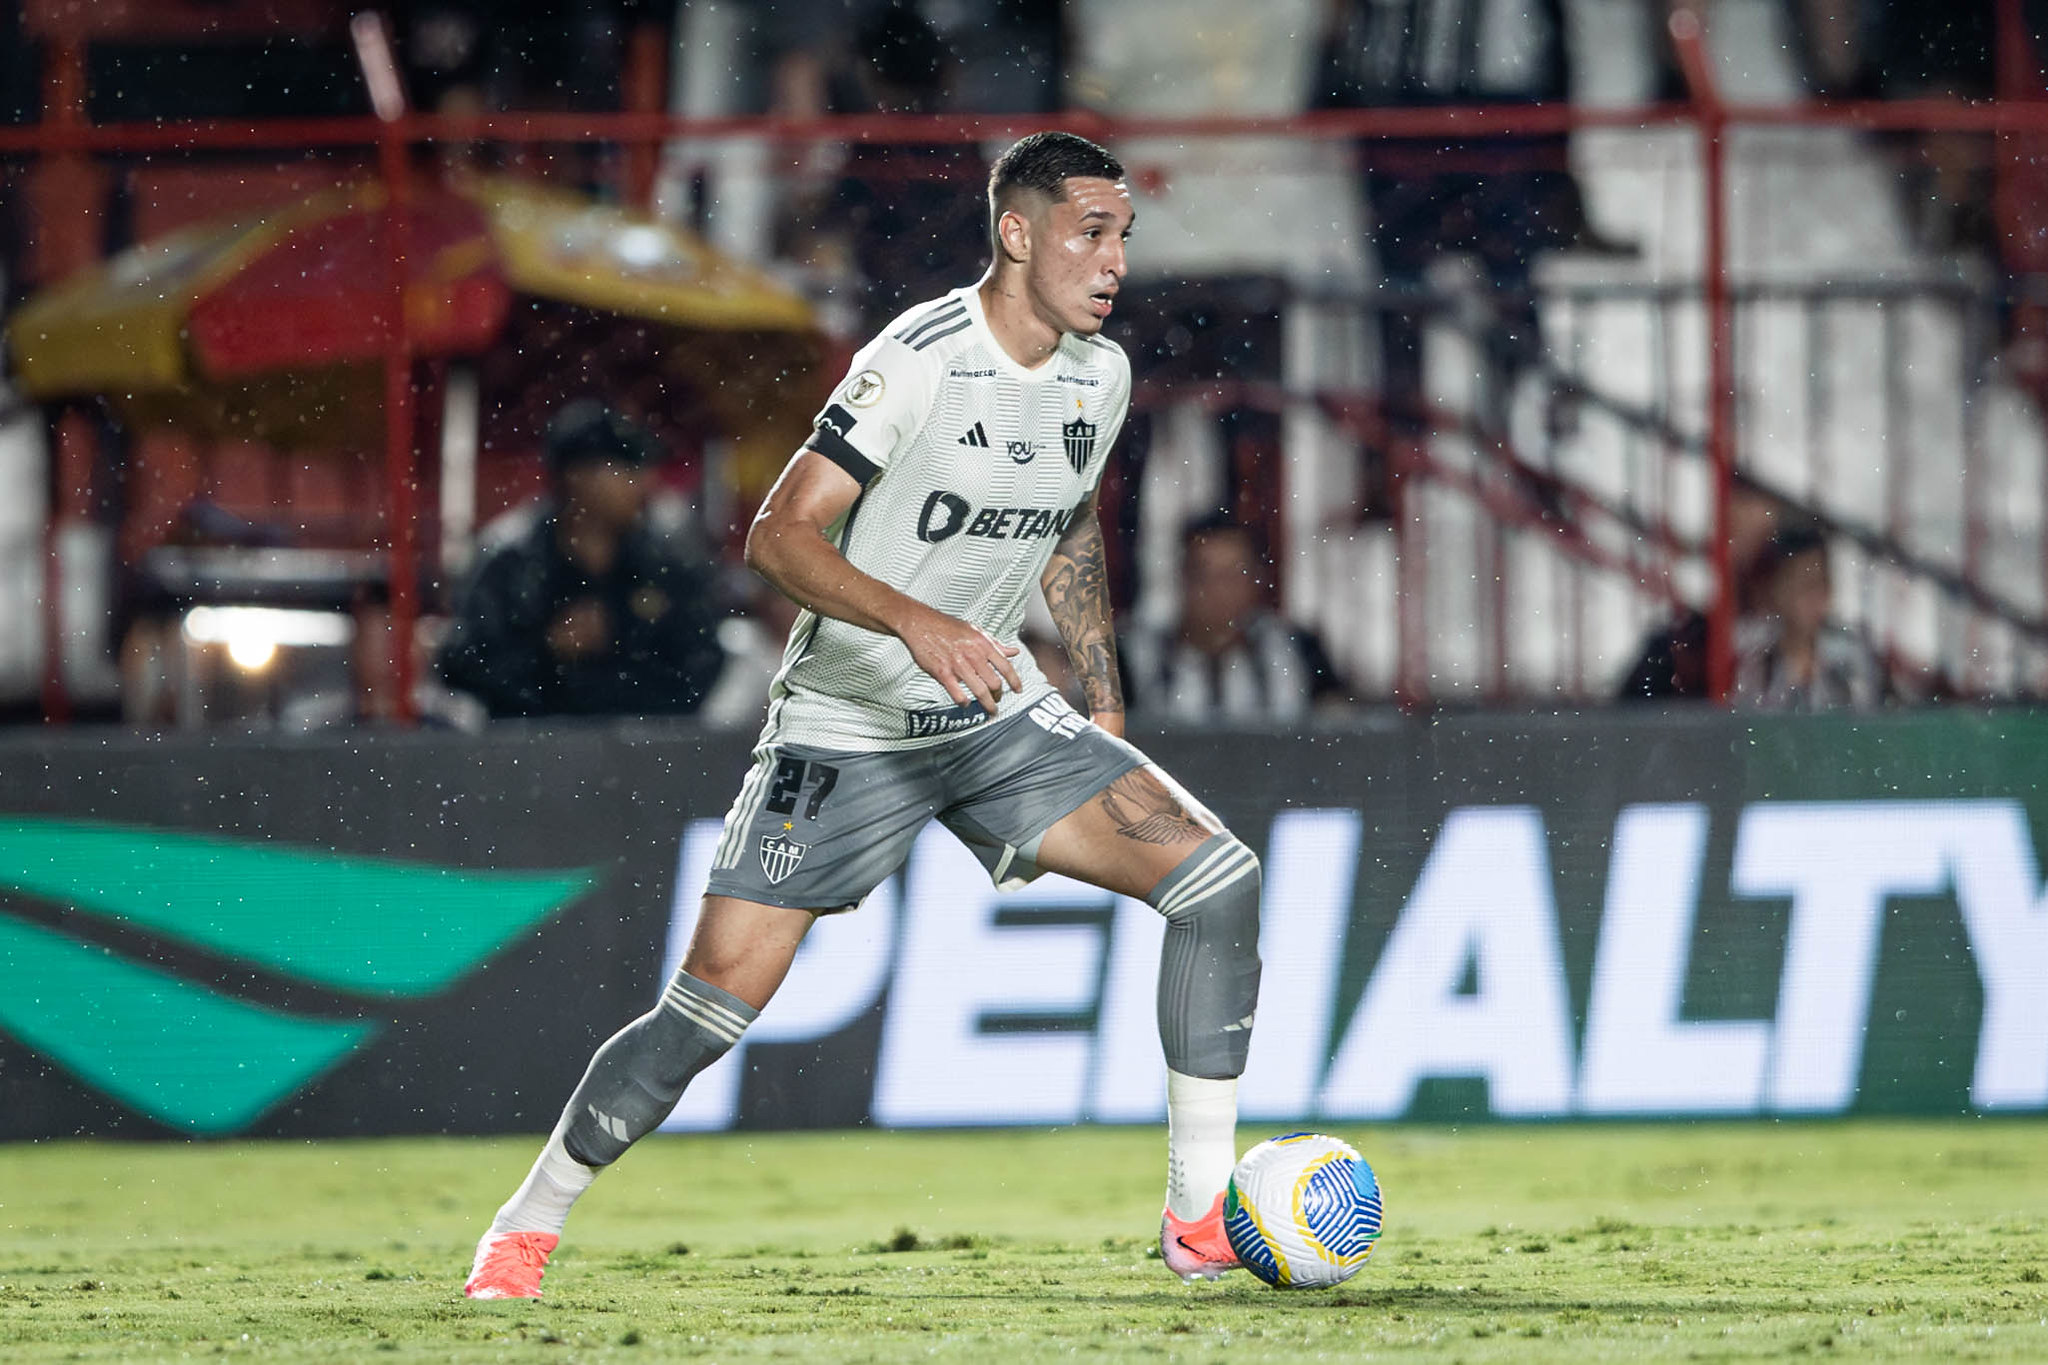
<point>971,467</point>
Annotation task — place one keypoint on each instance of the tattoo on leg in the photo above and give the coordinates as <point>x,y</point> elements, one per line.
<point>1144,810</point>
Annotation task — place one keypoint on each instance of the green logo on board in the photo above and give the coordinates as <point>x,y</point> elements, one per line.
<point>186,1054</point>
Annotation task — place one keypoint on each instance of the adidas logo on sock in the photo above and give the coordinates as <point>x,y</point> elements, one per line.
<point>975,437</point>
<point>611,1124</point>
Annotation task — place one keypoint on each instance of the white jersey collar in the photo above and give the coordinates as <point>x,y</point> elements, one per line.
<point>1003,359</point>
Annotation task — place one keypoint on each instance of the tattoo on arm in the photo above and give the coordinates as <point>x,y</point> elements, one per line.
<point>1143,809</point>
<point>1077,592</point>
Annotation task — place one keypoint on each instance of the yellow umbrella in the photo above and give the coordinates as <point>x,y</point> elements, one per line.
<point>203,328</point>
<point>750,344</point>
<point>608,259</point>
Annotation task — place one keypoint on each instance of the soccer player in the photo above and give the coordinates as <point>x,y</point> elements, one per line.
<point>955,467</point>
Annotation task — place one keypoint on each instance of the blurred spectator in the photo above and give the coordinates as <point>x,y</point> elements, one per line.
<point>580,604</point>
<point>1008,54</point>
<point>1890,49</point>
<point>1502,200</point>
<point>1909,48</point>
<point>1229,657</point>
<point>541,54</point>
<point>1789,656</point>
<point>904,220</point>
<point>1673,663</point>
<point>913,214</point>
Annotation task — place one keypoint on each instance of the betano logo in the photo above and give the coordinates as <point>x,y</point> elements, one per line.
<point>186,1054</point>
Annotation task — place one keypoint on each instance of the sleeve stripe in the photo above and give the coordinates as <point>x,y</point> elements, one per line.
<point>960,326</point>
<point>920,321</point>
<point>916,335</point>
<point>841,452</point>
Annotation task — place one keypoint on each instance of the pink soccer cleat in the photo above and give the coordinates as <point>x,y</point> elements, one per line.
<point>509,1265</point>
<point>1198,1250</point>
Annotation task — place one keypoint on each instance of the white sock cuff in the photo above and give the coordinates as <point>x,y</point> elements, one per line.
<point>551,1188</point>
<point>1199,1097</point>
<point>1201,1141</point>
<point>565,1170</point>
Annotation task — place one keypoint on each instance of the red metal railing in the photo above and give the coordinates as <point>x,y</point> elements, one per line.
<point>399,132</point>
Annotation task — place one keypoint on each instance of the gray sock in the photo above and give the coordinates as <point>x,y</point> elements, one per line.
<point>636,1078</point>
<point>1209,966</point>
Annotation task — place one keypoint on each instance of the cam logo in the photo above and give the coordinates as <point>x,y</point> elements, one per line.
<point>1079,435</point>
<point>365,929</point>
<point>779,856</point>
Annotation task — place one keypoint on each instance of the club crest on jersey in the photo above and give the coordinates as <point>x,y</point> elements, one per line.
<point>1080,438</point>
<point>780,855</point>
<point>864,390</point>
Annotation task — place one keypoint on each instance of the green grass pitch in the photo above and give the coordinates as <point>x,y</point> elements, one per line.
<point>1871,1241</point>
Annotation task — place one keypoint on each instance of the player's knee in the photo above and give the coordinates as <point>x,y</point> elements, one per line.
<point>1209,964</point>
<point>1218,885</point>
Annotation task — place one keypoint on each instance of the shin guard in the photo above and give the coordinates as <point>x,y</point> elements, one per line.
<point>1209,966</point>
<point>636,1078</point>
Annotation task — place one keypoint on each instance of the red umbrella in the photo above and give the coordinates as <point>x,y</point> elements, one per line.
<point>300,289</point>
<point>320,297</point>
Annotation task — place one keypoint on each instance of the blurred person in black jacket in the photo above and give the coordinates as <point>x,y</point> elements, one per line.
<point>580,604</point>
<point>913,212</point>
<point>1229,657</point>
<point>1790,655</point>
<point>1673,662</point>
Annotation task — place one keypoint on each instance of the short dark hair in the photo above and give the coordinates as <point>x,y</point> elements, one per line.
<point>904,48</point>
<point>1799,539</point>
<point>1214,522</point>
<point>1043,162</point>
<point>587,430</point>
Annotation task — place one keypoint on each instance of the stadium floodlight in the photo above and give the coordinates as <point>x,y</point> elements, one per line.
<point>380,67</point>
<point>253,635</point>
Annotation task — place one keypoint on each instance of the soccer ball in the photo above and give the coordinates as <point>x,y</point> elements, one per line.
<point>1302,1211</point>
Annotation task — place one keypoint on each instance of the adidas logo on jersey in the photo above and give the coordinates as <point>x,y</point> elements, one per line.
<point>975,437</point>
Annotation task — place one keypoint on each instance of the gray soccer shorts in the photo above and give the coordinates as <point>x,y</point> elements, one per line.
<point>817,829</point>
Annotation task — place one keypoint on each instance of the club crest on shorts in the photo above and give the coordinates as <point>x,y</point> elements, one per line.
<point>780,855</point>
<point>1080,438</point>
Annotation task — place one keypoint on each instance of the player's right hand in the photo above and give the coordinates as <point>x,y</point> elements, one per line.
<point>965,660</point>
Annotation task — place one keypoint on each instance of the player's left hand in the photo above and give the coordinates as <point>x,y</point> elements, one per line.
<point>963,658</point>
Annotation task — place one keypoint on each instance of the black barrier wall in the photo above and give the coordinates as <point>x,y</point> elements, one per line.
<point>1486,917</point>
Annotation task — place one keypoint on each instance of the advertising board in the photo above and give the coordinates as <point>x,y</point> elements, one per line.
<point>1479,918</point>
